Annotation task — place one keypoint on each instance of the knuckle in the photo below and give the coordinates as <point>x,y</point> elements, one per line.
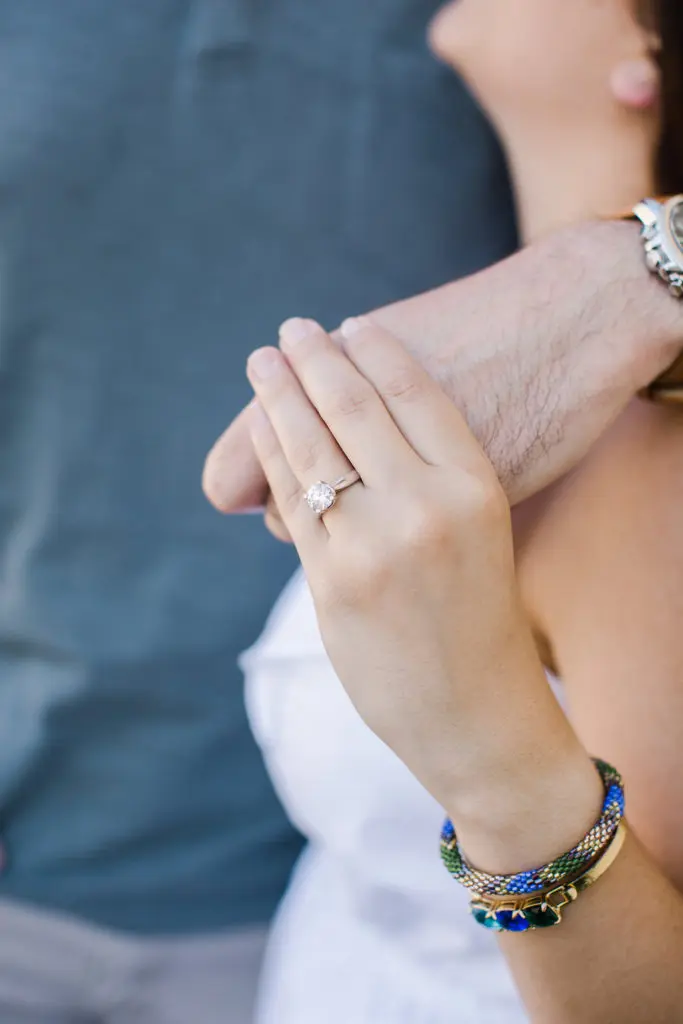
<point>403,385</point>
<point>481,502</point>
<point>350,401</point>
<point>444,522</point>
<point>305,456</point>
<point>427,529</point>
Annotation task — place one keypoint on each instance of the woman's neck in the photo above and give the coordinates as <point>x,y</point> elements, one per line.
<point>561,178</point>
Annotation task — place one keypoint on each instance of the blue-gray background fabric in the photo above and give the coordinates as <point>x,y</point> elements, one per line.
<point>175,178</point>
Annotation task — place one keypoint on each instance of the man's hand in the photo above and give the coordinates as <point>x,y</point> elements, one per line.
<point>540,353</point>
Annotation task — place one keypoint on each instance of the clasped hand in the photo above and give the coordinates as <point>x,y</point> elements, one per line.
<point>412,571</point>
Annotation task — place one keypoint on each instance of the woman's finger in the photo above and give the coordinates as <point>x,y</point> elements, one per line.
<point>307,531</point>
<point>426,417</point>
<point>232,479</point>
<point>347,403</point>
<point>274,521</point>
<point>310,449</point>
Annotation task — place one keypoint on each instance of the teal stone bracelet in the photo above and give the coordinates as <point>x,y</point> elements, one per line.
<point>543,910</point>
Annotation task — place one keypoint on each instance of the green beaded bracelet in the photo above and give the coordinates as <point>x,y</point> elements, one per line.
<point>570,864</point>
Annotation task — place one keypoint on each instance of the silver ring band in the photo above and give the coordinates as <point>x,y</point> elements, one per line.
<point>351,478</point>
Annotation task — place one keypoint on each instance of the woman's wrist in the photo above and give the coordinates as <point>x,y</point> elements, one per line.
<point>527,807</point>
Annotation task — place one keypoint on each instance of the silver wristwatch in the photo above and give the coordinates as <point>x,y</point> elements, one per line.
<point>662,233</point>
<point>663,236</point>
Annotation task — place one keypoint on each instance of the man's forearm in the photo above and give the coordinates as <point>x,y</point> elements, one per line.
<point>541,352</point>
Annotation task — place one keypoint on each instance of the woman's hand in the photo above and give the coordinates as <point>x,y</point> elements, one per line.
<point>412,570</point>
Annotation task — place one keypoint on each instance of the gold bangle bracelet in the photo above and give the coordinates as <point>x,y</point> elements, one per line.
<point>603,863</point>
<point>544,909</point>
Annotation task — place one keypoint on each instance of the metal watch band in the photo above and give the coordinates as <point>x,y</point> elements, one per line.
<point>662,233</point>
<point>661,218</point>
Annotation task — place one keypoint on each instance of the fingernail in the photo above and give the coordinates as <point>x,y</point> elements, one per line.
<point>264,363</point>
<point>354,325</point>
<point>295,330</point>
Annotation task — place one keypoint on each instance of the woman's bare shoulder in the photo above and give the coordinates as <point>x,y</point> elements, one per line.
<point>622,509</point>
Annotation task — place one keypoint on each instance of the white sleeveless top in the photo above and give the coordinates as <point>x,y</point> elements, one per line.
<point>372,930</point>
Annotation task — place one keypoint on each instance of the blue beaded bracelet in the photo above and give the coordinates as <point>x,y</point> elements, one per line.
<point>543,878</point>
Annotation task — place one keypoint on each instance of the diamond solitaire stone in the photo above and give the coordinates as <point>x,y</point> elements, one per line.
<point>321,497</point>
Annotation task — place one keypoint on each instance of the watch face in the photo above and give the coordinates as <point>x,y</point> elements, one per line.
<point>676,224</point>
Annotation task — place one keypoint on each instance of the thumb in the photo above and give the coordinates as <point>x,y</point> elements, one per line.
<point>233,480</point>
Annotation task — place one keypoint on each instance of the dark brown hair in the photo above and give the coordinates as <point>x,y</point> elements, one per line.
<point>669,21</point>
